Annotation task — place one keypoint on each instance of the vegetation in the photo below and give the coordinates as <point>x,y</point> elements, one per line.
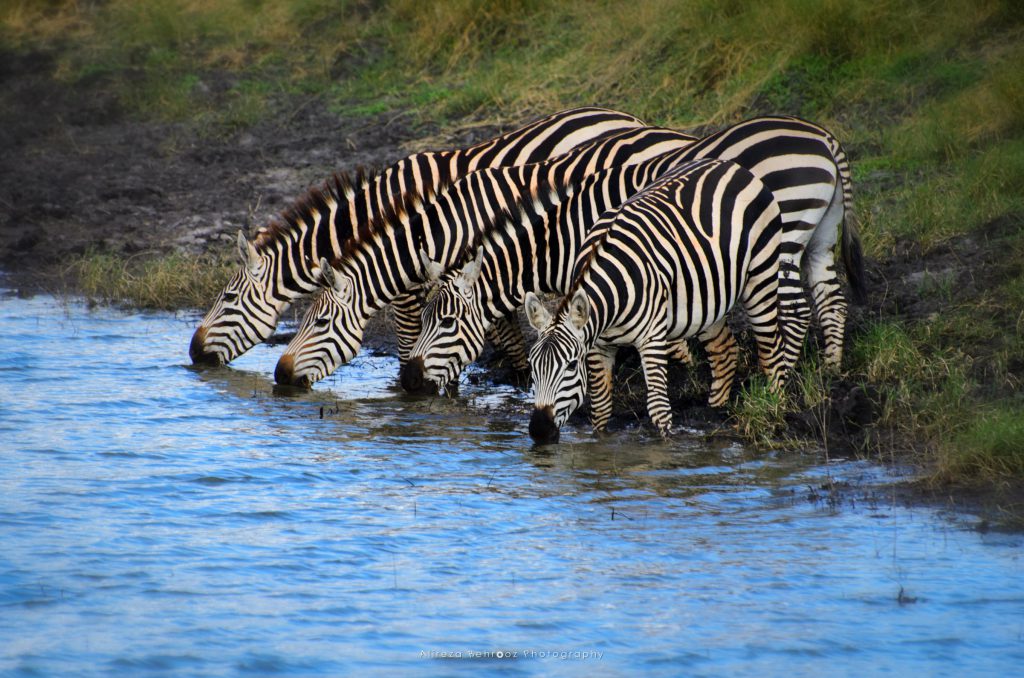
<point>169,283</point>
<point>928,97</point>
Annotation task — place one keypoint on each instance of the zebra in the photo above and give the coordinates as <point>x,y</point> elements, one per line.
<point>522,251</point>
<point>800,162</point>
<point>667,265</point>
<point>381,262</point>
<point>278,266</point>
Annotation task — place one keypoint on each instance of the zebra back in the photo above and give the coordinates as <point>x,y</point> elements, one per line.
<point>383,262</point>
<point>279,266</point>
<point>667,265</point>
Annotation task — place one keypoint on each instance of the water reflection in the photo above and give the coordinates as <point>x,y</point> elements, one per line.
<point>157,518</point>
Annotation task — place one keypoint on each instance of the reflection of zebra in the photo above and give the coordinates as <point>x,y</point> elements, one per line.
<point>798,161</point>
<point>278,266</point>
<point>669,264</point>
<point>383,262</point>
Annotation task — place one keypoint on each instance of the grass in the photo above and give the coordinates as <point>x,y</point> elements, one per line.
<point>759,413</point>
<point>990,446</point>
<point>171,282</point>
<point>927,98</point>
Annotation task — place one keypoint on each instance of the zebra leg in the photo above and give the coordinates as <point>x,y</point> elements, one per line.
<point>792,301</point>
<point>826,289</point>
<point>681,351</point>
<point>408,322</point>
<point>599,377</point>
<point>723,354</point>
<point>654,357</point>
<point>778,343</point>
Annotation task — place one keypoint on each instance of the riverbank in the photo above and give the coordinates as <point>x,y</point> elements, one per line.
<point>126,174</point>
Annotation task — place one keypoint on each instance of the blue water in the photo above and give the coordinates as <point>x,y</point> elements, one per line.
<point>157,519</point>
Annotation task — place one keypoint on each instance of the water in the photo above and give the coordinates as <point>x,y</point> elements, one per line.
<point>158,519</point>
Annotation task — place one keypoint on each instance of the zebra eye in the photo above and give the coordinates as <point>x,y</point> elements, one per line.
<point>448,323</point>
<point>230,296</point>
<point>322,321</point>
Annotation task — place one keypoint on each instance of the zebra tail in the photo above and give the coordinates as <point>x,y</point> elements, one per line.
<point>853,259</point>
<point>853,253</point>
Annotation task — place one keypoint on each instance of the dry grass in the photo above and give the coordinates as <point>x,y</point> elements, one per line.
<point>172,282</point>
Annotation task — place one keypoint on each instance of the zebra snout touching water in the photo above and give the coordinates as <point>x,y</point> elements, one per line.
<point>669,264</point>
<point>543,428</point>
<point>284,373</point>
<point>411,375</point>
<point>197,349</point>
<point>279,264</point>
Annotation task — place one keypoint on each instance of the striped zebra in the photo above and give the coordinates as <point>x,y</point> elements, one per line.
<point>801,163</point>
<point>279,265</point>
<point>382,262</point>
<point>669,264</point>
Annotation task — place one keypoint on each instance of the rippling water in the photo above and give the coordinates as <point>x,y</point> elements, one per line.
<point>158,519</point>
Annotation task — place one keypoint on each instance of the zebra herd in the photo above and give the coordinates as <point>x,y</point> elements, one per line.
<point>651,236</point>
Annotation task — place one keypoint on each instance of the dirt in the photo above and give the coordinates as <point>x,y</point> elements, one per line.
<point>78,173</point>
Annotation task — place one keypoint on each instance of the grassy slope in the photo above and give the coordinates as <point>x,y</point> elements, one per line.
<point>927,96</point>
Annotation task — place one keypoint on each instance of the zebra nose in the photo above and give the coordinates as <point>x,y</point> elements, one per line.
<point>197,348</point>
<point>542,425</point>
<point>285,370</point>
<point>412,375</point>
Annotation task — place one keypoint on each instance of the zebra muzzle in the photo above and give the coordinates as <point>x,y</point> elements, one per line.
<point>542,425</point>
<point>284,373</point>
<point>413,377</point>
<point>197,349</point>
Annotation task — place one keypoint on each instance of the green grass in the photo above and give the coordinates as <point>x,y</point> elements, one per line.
<point>926,96</point>
<point>991,446</point>
<point>758,413</point>
<point>171,282</point>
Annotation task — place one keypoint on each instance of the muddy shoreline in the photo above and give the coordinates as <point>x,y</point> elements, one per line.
<point>77,174</point>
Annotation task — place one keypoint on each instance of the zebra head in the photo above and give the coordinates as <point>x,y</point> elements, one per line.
<point>329,335</point>
<point>558,364</point>
<point>453,326</point>
<point>244,314</point>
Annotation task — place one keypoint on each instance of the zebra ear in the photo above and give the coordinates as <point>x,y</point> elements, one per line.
<point>536,313</point>
<point>471,271</point>
<point>247,252</point>
<point>326,273</point>
<point>579,309</point>
<point>335,281</point>
<point>317,270</point>
<point>431,269</point>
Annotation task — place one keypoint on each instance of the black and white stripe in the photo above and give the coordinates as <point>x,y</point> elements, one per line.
<point>669,264</point>
<point>279,265</point>
<point>534,251</point>
<point>386,263</point>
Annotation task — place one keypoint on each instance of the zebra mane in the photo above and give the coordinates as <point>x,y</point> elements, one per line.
<point>392,216</point>
<point>581,269</point>
<point>506,219</point>
<point>339,188</point>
